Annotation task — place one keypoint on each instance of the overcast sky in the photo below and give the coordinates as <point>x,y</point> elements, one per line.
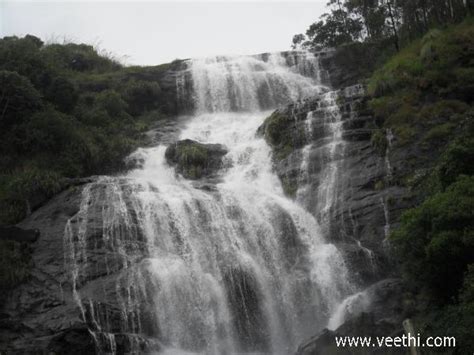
<point>155,32</point>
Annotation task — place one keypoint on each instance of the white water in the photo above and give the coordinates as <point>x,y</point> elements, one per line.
<point>242,269</point>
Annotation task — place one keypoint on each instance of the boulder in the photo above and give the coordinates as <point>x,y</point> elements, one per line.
<point>194,160</point>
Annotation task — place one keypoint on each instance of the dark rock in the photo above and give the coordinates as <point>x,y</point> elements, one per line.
<point>75,340</point>
<point>18,234</point>
<point>195,160</point>
<point>43,315</point>
<point>383,318</point>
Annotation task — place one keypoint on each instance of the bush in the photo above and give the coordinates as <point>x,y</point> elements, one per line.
<point>18,98</point>
<point>436,240</point>
<point>63,94</point>
<point>142,96</point>
<point>112,103</point>
<point>456,160</point>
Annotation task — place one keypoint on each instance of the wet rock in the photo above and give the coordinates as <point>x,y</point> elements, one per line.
<point>195,160</point>
<point>383,318</point>
<point>18,234</point>
<point>75,340</point>
<point>43,315</point>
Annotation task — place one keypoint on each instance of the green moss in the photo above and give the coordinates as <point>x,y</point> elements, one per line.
<point>283,134</point>
<point>276,126</point>
<point>190,155</point>
<point>379,141</point>
<point>379,185</point>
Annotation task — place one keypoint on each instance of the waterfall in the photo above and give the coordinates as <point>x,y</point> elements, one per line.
<point>161,262</point>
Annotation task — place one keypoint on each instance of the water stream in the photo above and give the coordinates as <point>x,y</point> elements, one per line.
<point>233,268</point>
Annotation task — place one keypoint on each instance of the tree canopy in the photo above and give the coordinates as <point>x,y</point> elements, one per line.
<point>400,21</point>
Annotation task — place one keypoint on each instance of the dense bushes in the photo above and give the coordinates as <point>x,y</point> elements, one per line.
<point>65,111</point>
<point>436,240</point>
<point>52,122</point>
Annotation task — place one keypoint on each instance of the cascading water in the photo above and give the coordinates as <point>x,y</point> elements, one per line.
<point>236,268</point>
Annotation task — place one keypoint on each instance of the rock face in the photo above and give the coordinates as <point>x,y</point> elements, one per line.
<point>18,234</point>
<point>195,160</point>
<point>383,317</point>
<point>73,258</point>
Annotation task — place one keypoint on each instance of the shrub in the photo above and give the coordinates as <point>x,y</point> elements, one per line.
<point>436,240</point>
<point>142,96</point>
<point>456,160</point>
<point>63,94</point>
<point>18,98</point>
<point>112,103</point>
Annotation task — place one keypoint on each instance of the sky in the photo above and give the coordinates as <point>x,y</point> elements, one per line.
<point>155,32</point>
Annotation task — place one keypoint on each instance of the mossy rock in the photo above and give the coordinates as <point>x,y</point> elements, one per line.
<point>283,134</point>
<point>195,160</point>
<point>379,142</point>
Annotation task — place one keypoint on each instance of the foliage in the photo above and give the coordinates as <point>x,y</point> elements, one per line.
<point>52,121</point>
<point>400,21</point>
<point>454,320</point>
<point>63,94</point>
<point>457,160</point>
<point>18,98</point>
<point>436,240</point>
<point>66,110</point>
<point>333,30</point>
<point>416,96</point>
<point>379,141</point>
<point>142,96</point>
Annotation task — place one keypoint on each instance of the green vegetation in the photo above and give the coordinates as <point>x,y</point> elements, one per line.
<point>395,21</point>
<point>65,111</point>
<point>424,95</point>
<point>195,160</point>
<point>379,141</point>
<point>414,94</point>
<point>282,134</point>
<point>436,240</point>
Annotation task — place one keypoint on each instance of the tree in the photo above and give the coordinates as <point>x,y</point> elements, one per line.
<point>375,20</point>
